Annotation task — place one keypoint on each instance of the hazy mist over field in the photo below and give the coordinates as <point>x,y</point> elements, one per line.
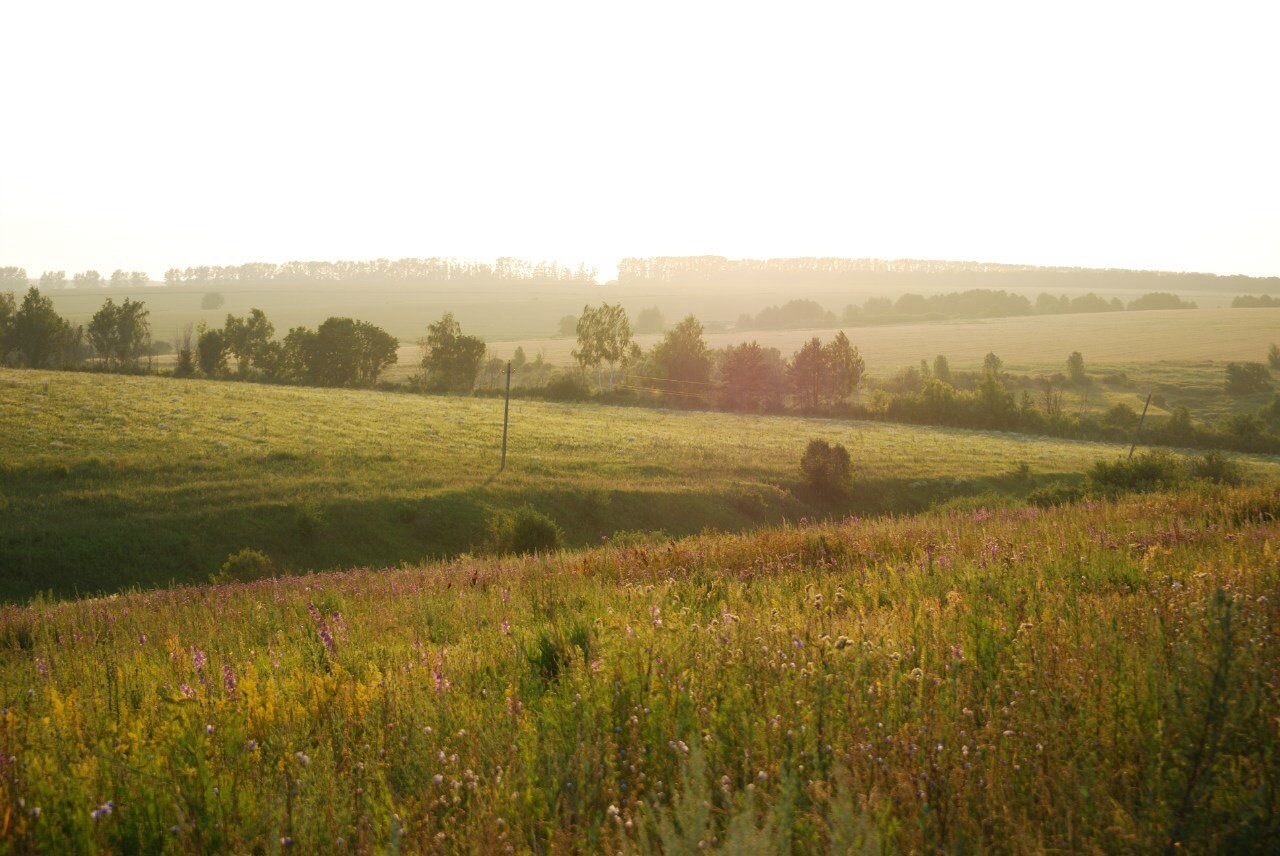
<point>149,135</point>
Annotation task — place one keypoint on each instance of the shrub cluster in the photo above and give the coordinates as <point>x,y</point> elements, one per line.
<point>524,530</point>
<point>826,469</point>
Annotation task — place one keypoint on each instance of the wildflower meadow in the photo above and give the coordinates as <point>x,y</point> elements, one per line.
<point>1094,677</point>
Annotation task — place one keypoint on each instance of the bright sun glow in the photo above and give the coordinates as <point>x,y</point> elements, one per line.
<point>144,135</point>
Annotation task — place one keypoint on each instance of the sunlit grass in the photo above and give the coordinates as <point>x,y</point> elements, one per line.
<point>109,481</point>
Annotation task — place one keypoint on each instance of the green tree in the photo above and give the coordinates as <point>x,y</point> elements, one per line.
<point>450,360</point>
<point>937,397</point>
<point>568,325</point>
<point>1271,412</point>
<point>995,403</point>
<point>752,378</point>
<point>650,321</point>
<point>378,350</point>
<point>1160,300</point>
<point>346,352</point>
<point>88,279</point>
<point>682,356</point>
<point>808,373</point>
<point>8,308</point>
<point>248,339</point>
<point>51,280</point>
<point>942,369</point>
<point>211,352</point>
<point>1075,369</point>
<point>826,468</point>
<point>604,336</point>
<point>297,355</point>
<point>1247,378</point>
<point>991,364</point>
<point>845,366</point>
<point>825,374</point>
<point>40,336</point>
<point>1273,356</point>
<point>104,331</point>
<point>13,278</point>
<point>1179,425</point>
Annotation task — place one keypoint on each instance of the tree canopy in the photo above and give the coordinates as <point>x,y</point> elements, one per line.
<point>450,360</point>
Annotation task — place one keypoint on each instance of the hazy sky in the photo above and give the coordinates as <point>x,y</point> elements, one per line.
<point>146,135</point>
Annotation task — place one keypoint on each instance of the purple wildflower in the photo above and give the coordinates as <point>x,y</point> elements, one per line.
<point>322,628</point>
<point>442,683</point>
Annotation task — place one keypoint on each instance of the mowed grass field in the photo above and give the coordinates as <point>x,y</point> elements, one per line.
<point>1099,678</point>
<point>109,481</point>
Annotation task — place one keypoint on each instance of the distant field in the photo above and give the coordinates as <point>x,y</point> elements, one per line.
<point>1178,355</point>
<point>107,481</point>
<point>527,313</point>
<point>404,311</point>
<point>1028,342</point>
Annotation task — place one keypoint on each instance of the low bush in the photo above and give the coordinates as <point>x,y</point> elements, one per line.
<point>1247,378</point>
<point>524,530</point>
<point>1058,493</point>
<point>243,567</point>
<point>1216,467</point>
<point>1147,471</point>
<point>567,386</point>
<point>826,469</point>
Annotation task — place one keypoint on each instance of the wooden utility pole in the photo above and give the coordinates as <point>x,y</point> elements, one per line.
<point>1138,430</point>
<point>506,411</point>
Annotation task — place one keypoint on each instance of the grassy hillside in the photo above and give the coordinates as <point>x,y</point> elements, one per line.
<point>111,481</point>
<point>1098,678</point>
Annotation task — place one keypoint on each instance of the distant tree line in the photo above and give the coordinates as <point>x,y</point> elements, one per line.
<point>1261,301</point>
<point>340,352</point>
<point>432,270</point>
<point>895,275</point>
<point>15,279</point>
<point>887,275</point>
<point>681,368</point>
<point>974,303</point>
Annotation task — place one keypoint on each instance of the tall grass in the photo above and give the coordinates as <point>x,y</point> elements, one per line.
<point>1092,677</point>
